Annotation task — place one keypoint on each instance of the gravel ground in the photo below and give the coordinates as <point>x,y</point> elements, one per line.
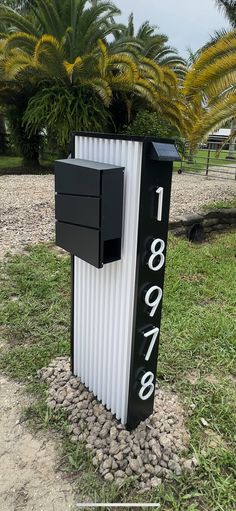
<point>27,205</point>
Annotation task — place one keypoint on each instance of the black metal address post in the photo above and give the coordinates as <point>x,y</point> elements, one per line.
<point>151,257</point>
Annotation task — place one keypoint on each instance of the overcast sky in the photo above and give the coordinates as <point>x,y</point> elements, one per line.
<point>188,23</point>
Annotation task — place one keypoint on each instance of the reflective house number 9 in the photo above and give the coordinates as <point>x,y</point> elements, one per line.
<point>155,263</point>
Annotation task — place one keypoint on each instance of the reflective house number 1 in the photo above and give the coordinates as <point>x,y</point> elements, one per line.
<point>160,192</point>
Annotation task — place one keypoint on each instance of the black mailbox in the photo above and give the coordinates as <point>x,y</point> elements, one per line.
<point>89,204</point>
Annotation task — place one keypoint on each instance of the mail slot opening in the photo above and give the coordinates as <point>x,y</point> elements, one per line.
<point>112,250</point>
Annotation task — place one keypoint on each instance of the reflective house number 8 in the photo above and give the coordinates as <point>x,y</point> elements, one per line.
<point>157,253</point>
<point>146,383</point>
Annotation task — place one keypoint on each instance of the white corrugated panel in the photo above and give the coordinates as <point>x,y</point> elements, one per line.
<point>104,298</point>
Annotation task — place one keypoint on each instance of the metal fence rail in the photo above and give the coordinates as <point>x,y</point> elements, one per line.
<point>210,161</point>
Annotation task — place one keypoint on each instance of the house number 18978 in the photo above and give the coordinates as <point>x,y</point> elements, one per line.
<point>151,259</point>
<point>155,263</point>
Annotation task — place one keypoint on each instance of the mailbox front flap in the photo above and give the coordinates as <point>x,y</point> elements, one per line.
<point>80,177</point>
<point>164,152</point>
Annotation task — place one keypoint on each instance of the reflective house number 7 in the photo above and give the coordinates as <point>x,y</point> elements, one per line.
<point>154,333</point>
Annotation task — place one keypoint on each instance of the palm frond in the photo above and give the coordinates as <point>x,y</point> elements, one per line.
<point>21,40</point>
<point>14,19</point>
<point>219,69</point>
<point>214,119</point>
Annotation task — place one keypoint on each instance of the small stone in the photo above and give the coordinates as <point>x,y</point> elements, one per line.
<point>119,474</point>
<point>134,465</point>
<point>119,456</point>
<point>175,467</point>
<point>98,442</point>
<point>118,481</point>
<point>123,464</point>
<point>204,422</point>
<point>60,397</point>
<point>95,461</point>
<point>109,477</point>
<point>152,443</point>
<point>164,441</point>
<point>187,466</point>
<point>158,469</point>
<point>103,433</point>
<point>127,450</point>
<point>102,419</point>
<point>136,450</point>
<point>163,463</point>
<point>107,463</point>
<point>145,476</point>
<point>155,482</point>
<point>165,457</point>
<point>156,450</point>
<point>149,469</point>
<point>89,447</point>
<point>99,456</point>
<point>124,435</point>
<point>114,448</point>
<point>113,433</point>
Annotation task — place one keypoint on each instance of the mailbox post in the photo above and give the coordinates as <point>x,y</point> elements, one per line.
<point>112,211</point>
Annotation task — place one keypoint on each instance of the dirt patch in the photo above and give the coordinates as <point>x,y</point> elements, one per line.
<point>211,378</point>
<point>29,478</point>
<point>214,440</point>
<point>196,277</point>
<point>193,377</point>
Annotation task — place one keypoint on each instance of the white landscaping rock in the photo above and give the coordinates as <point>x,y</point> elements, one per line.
<point>148,453</point>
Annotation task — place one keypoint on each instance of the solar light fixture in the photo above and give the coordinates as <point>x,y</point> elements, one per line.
<point>112,211</point>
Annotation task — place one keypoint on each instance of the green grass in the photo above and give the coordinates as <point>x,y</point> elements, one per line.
<point>198,340</point>
<point>10,162</point>
<point>200,161</point>
<point>221,204</point>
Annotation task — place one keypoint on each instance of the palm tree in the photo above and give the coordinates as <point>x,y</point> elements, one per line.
<point>18,5</point>
<point>212,80</point>
<point>72,62</point>
<point>74,24</point>
<point>229,9</point>
<point>150,44</point>
<point>76,27</point>
<point>101,72</point>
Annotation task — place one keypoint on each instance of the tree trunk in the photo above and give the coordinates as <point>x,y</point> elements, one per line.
<point>190,156</point>
<point>231,153</point>
<point>27,145</point>
<point>3,136</point>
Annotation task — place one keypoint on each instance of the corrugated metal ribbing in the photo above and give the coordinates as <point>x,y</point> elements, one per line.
<point>104,298</point>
